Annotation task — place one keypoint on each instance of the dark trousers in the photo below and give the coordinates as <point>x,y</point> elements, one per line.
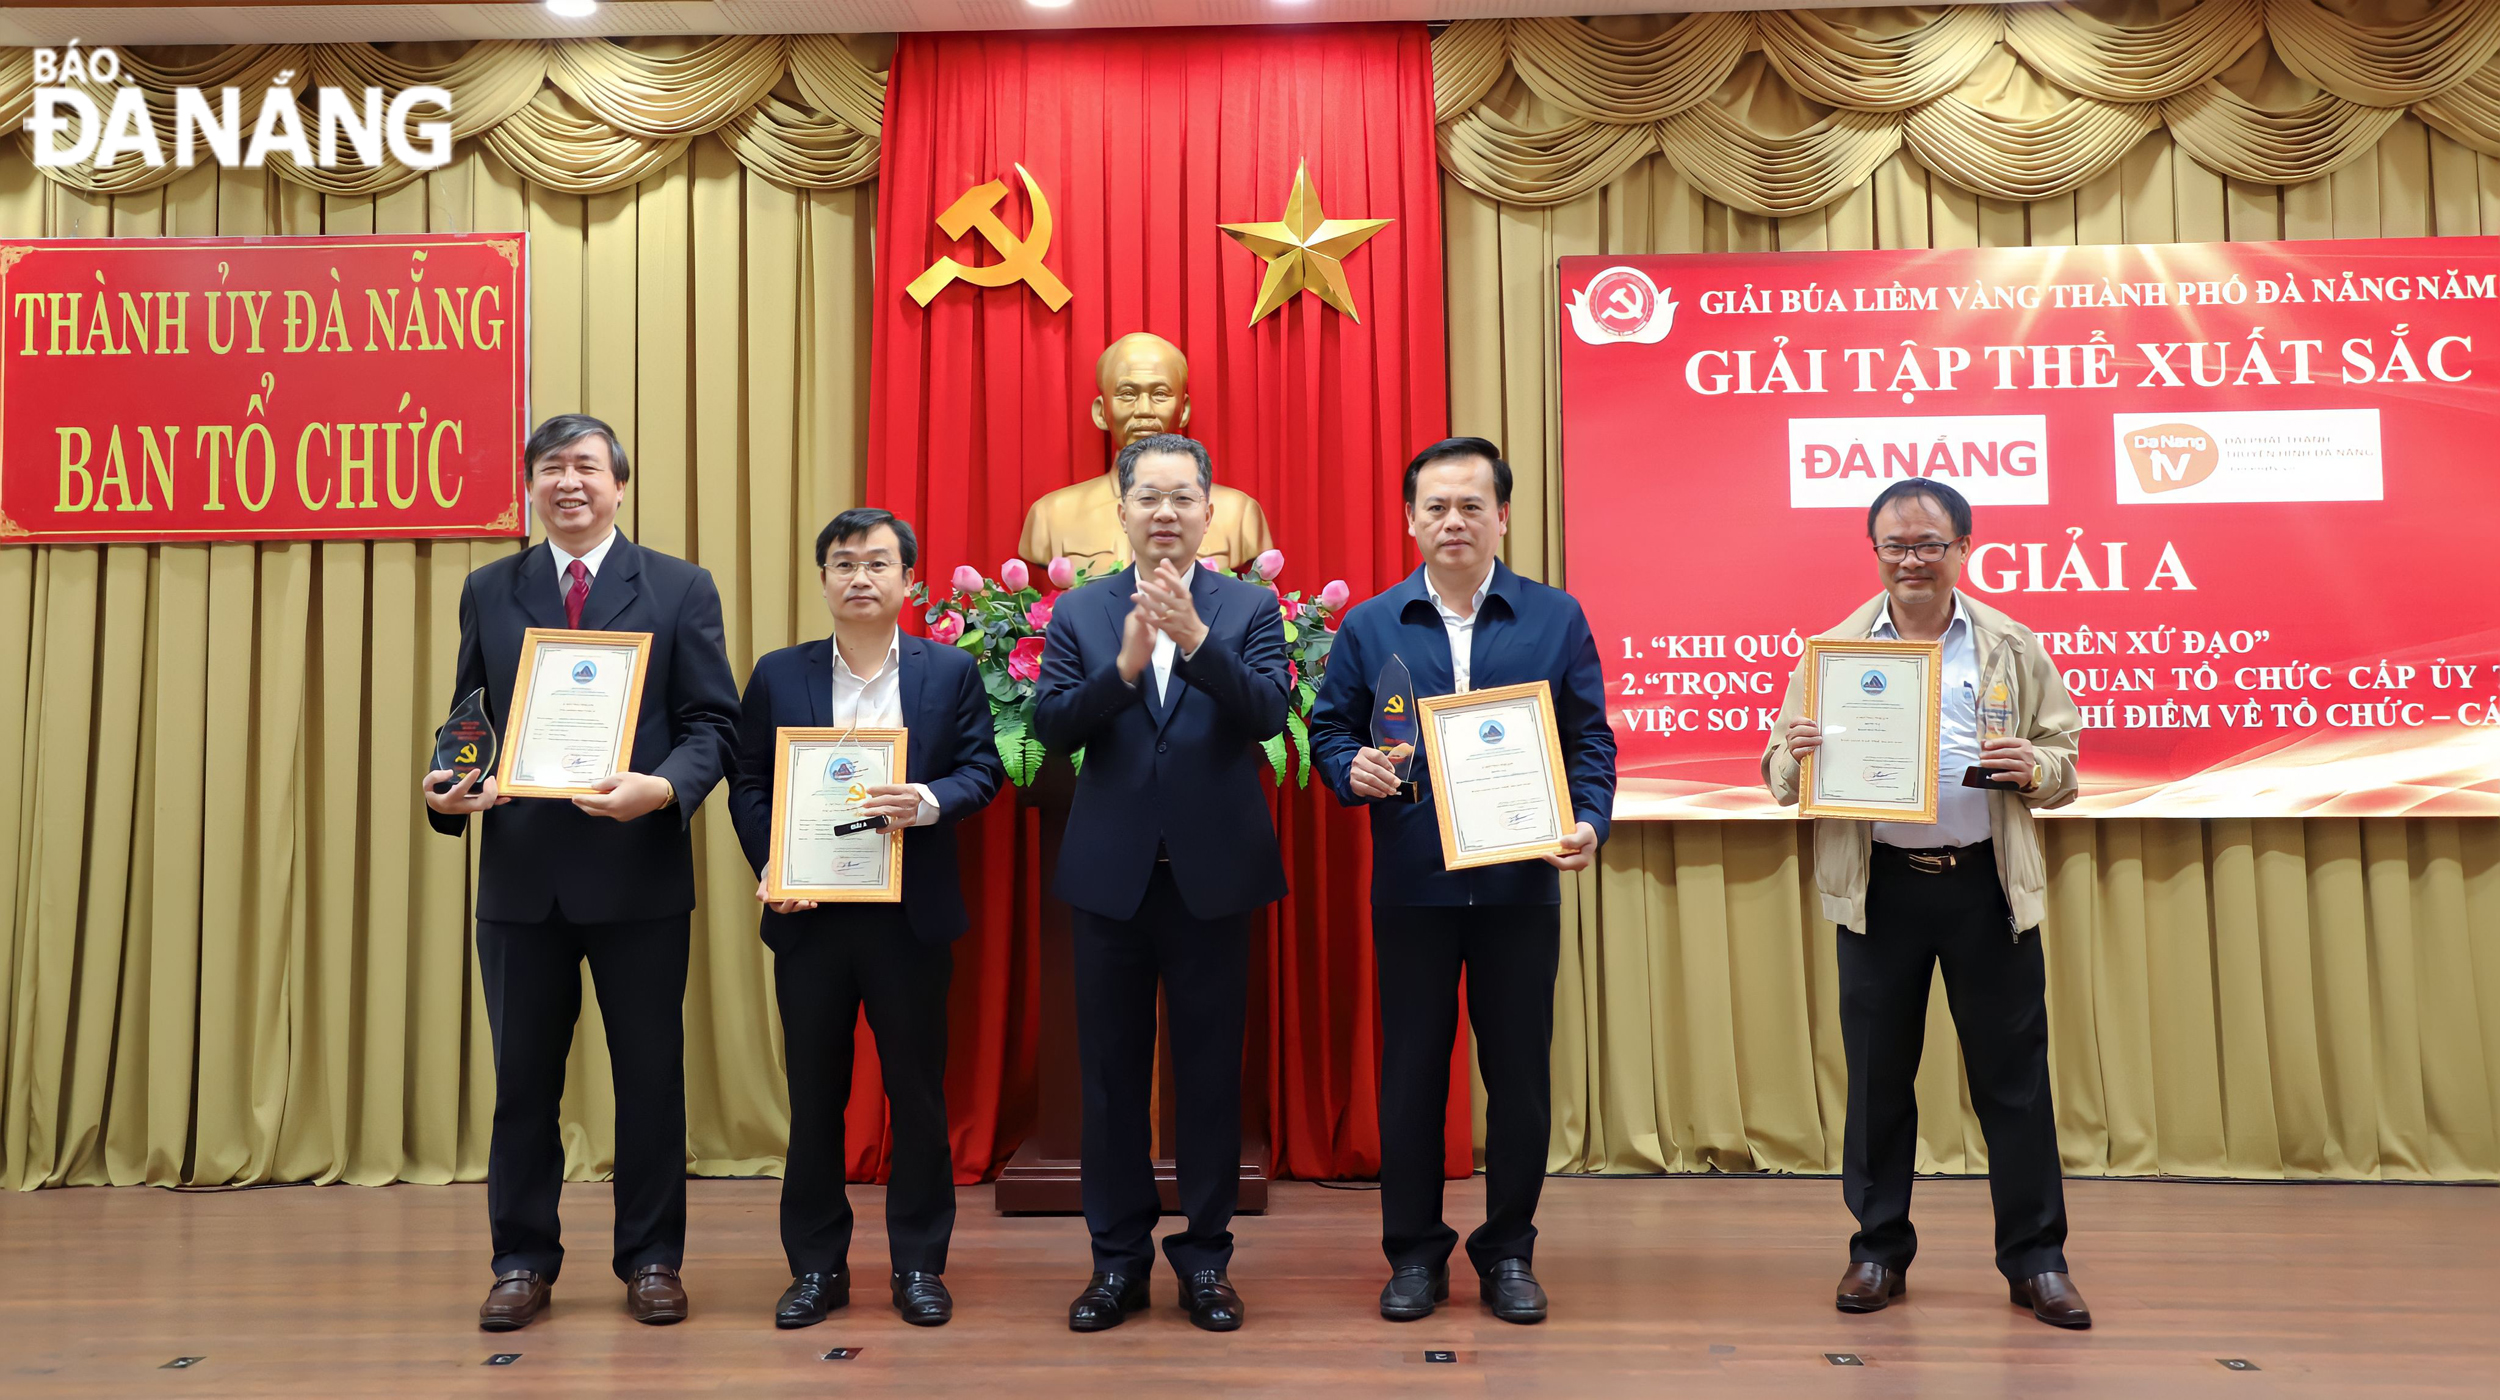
<point>1995,983</point>
<point>1509,953</point>
<point>533,983</point>
<point>1203,966</point>
<point>824,972</point>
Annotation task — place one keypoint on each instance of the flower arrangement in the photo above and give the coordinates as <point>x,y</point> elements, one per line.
<point>1002,622</point>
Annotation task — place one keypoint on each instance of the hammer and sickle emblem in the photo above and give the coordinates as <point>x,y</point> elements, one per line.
<point>468,753</point>
<point>1020,259</point>
<point>1396,705</point>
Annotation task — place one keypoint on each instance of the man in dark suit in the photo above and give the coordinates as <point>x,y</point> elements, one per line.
<point>1463,622</point>
<point>608,876</point>
<point>894,959</point>
<point>1169,676</point>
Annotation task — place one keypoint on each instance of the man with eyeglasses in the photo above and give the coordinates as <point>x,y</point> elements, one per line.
<point>1169,676</point>
<point>893,960</point>
<point>1967,894</point>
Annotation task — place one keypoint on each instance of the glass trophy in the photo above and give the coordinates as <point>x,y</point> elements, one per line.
<point>466,742</point>
<point>1996,721</point>
<point>1395,722</point>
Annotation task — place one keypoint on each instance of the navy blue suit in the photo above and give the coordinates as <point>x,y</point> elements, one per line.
<point>556,886</point>
<point>1499,924</point>
<point>892,960</point>
<point>1169,848</point>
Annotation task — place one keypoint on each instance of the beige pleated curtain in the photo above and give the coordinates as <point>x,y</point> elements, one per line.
<point>233,953</point>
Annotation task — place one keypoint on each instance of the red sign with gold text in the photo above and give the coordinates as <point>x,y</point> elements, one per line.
<point>2241,491</point>
<point>183,389</point>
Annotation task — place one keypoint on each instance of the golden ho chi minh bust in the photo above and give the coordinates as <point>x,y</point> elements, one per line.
<point>1144,384</point>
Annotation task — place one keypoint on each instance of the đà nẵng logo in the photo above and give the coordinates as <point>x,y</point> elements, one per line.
<point>83,111</point>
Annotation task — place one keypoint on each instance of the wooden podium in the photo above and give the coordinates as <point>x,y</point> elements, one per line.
<point>1043,1177</point>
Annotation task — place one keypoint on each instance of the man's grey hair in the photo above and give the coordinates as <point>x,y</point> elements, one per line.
<point>564,430</point>
<point>1173,443</point>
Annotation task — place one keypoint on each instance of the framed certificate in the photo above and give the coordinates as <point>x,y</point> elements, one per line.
<point>1878,703</point>
<point>821,779</point>
<point>574,707</point>
<point>1497,774</point>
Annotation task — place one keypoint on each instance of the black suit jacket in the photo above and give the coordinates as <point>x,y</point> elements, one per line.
<point>953,749</point>
<point>543,855</point>
<point>1180,776</point>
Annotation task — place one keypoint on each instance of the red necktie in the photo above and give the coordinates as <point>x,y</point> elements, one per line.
<point>576,595</point>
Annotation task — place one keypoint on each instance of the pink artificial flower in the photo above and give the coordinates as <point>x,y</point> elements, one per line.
<point>1038,615</point>
<point>1293,675</point>
<point>1291,608</point>
<point>1025,662</point>
<point>1334,596</point>
<point>967,580</point>
<point>1269,564</point>
<point>1015,575</point>
<point>1062,573</point>
<point>947,630</point>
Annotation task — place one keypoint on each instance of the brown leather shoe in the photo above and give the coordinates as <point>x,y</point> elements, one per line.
<point>2052,1299</point>
<point>655,1296</point>
<point>1869,1288</point>
<point>514,1302</point>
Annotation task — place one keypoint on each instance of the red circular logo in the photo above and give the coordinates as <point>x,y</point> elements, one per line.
<point>1622,300</point>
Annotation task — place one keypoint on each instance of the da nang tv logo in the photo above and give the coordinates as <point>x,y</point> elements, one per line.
<point>2285,454</point>
<point>81,110</point>
<point>1621,306</point>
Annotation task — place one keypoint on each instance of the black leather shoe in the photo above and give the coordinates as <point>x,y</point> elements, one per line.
<point>1513,1292</point>
<point>1107,1301</point>
<point>2052,1299</point>
<point>809,1297</point>
<point>923,1300</point>
<point>1413,1290</point>
<point>1213,1305</point>
<point>1867,1288</point>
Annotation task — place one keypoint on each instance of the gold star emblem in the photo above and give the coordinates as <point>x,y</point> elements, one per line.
<point>1305,250</point>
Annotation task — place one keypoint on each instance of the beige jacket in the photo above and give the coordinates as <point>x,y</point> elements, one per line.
<point>2043,712</point>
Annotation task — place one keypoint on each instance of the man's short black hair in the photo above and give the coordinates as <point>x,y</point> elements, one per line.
<point>1449,449</point>
<point>564,430</point>
<point>1946,498</point>
<point>1126,463</point>
<point>860,521</point>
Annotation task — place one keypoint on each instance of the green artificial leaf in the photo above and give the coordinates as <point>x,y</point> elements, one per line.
<point>1315,656</point>
<point>1300,730</point>
<point>1076,761</point>
<point>970,641</point>
<point>1018,749</point>
<point>1000,685</point>
<point>1305,696</point>
<point>1292,633</point>
<point>1274,748</point>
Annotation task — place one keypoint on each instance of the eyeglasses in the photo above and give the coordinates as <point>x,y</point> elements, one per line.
<point>849,568</point>
<point>1151,501</point>
<point>1928,553</point>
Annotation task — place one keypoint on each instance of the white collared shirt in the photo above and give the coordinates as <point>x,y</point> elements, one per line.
<point>597,556</point>
<point>876,702</point>
<point>1961,812</point>
<point>1165,647</point>
<point>1462,630</point>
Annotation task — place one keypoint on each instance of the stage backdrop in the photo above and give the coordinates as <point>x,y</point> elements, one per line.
<point>1142,144</point>
<point>2227,484</point>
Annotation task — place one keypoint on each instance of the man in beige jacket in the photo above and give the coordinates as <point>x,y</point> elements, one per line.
<point>1965,892</point>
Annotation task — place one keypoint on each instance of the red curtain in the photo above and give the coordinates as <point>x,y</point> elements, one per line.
<point>1142,142</point>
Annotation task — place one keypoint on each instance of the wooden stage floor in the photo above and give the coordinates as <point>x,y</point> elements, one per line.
<point>1676,1286</point>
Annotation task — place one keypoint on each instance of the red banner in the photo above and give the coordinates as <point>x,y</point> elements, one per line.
<point>262,388</point>
<point>2235,487</point>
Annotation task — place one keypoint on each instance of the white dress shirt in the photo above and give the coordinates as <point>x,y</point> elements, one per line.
<point>1961,812</point>
<point>597,556</point>
<point>1165,647</point>
<point>1462,630</point>
<point>876,702</point>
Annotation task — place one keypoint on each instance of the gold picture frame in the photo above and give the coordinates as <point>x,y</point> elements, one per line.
<point>1886,655</point>
<point>1464,852</point>
<point>799,738</point>
<point>516,736</point>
